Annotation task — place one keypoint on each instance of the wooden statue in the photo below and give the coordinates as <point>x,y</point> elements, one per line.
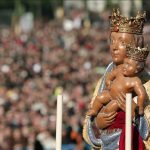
<point>125,74</point>
<point>123,79</point>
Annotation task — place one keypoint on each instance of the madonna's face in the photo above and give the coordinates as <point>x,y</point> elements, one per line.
<point>118,43</point>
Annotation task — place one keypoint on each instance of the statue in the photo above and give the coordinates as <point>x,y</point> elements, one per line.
<point>106,130</point>
<point>123,79</point>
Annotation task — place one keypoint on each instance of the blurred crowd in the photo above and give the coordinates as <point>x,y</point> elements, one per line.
<point>34,68</point>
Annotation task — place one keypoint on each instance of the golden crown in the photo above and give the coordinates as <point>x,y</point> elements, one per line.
<point>137,53</point>
<point>132,25</point>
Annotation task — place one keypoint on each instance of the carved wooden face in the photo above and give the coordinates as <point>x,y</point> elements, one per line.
<point>130,67</point>
<point>118,46</point>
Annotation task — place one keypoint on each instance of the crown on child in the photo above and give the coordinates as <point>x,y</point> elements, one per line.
<point>123,24</point>
<point>137,53</point>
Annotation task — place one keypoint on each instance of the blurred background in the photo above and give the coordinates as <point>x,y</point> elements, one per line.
<point>47,46</point>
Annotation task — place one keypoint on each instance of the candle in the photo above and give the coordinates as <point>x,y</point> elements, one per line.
<point>59,122</point>
<point>128,121</point>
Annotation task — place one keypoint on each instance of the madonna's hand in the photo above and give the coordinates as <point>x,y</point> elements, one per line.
<point>104,120</point>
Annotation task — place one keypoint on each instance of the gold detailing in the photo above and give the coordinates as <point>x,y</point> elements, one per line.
<point>147,113</point>
<point>123,24</point>
<point>95,91</point>
<point>137,53</point>
<point>109,131</point>
<point>147,88</point>
<point>147,117</point>
<point>85,132</point>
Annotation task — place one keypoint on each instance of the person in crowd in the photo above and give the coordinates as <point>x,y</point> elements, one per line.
<point>35,66</point>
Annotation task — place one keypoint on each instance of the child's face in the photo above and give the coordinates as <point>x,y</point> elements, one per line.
<point>129,67</point>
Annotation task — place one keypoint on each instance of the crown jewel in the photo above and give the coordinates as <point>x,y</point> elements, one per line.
<point>137,53</point>
<point>132,25</point>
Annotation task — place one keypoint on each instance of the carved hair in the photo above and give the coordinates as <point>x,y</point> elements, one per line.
<point>139,40</point>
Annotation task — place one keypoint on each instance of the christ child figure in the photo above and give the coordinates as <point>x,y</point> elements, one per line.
<point>123,79</point>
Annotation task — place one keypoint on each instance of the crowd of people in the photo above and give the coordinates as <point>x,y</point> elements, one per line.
<point>34,68</point>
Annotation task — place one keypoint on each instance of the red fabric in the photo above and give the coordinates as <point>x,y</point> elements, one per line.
<point>119,121</point>
<point>137,142</point>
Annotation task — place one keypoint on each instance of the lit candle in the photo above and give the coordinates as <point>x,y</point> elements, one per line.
<point>59,122</point>
<point>128,121</point>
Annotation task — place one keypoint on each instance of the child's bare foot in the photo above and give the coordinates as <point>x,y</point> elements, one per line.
<point>91,112</point>
<point>141,110</point>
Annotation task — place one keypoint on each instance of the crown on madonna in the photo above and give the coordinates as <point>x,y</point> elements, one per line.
<point>133,25</point>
